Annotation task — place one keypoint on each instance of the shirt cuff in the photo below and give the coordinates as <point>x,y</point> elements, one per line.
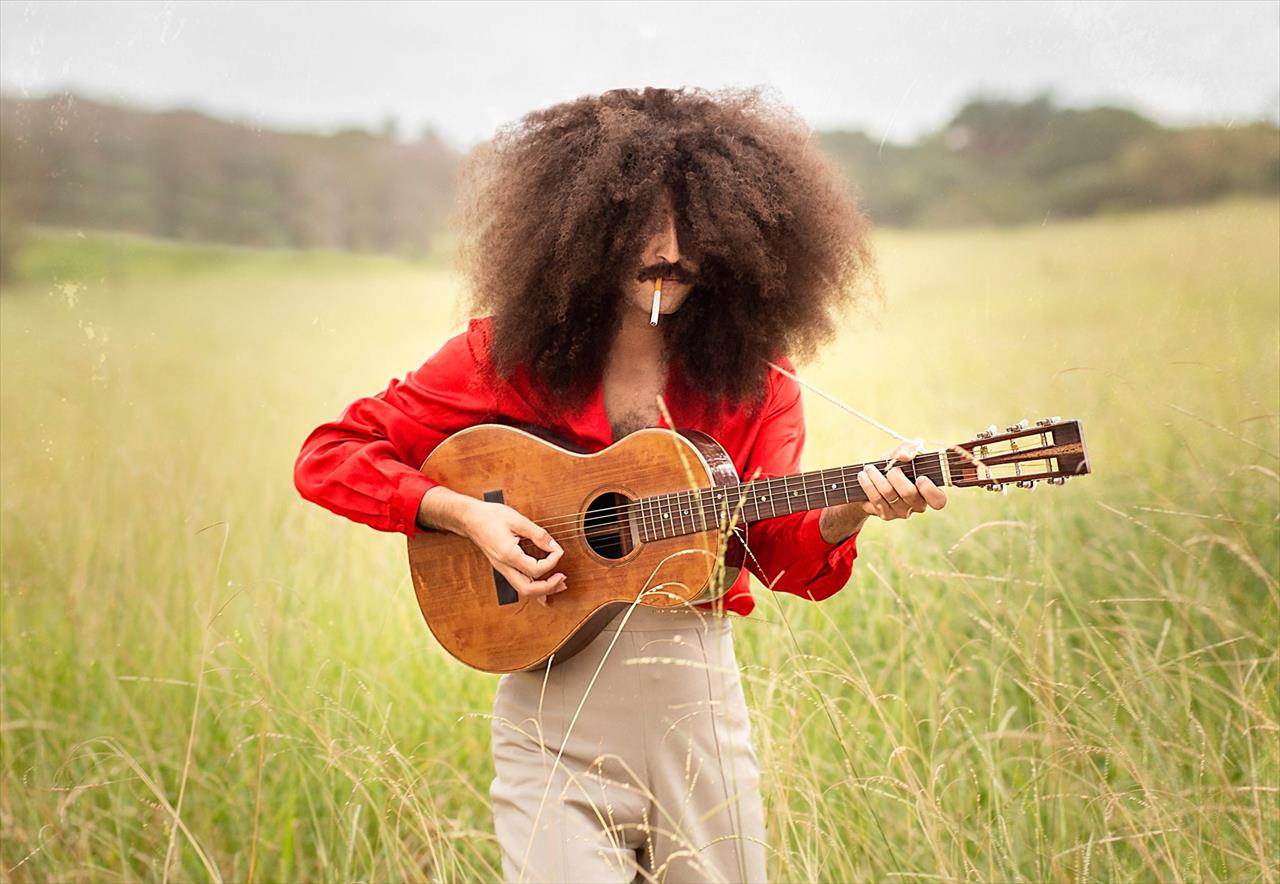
<point>810,542</point>
<point>407,500</point>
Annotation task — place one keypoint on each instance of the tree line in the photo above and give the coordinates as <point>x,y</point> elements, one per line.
<point>1009,162</point>
<point>184,175</point>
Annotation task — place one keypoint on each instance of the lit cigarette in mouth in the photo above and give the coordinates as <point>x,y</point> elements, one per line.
<point>657,301</point>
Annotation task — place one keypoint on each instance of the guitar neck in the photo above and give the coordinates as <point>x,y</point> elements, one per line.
<point>1051,451</point>
<point>687,512</point>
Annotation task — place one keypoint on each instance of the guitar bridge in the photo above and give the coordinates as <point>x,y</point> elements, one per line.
<point>507,594</point>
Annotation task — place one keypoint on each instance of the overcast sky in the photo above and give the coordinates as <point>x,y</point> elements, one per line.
<point>894,69</point>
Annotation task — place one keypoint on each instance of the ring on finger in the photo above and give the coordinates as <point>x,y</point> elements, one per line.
<point>894,500</point>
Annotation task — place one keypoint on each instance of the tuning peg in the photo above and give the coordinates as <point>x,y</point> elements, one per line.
<point>997,487</point>
<point>1027,484</point>
<point>988,432</point>
<point>1057,480</point>
<point>1048,421</point>
<point>1018,427</point>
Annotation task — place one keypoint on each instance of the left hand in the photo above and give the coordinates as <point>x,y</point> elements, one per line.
<point>894,496</point>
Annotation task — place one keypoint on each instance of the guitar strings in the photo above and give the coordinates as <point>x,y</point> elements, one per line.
<point>956,456</point>
<point>810,485</point>
<point>649,519</point>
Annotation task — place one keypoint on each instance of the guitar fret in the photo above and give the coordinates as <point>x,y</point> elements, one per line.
<point>694,510</point>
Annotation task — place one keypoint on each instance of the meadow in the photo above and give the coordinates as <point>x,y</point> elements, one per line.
<point>206,678</point>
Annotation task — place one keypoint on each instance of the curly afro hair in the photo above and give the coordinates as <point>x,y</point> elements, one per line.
<point>557,208</point>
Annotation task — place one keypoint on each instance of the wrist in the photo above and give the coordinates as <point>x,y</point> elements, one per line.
<point>446,510</point>
<point>839,523</point>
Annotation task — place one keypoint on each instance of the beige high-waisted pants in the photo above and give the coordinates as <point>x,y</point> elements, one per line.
<point>651,777</point>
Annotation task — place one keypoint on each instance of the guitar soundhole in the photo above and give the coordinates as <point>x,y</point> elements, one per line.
<point>608,526</point>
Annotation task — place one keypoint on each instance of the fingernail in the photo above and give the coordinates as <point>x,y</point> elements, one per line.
<point>542,600</point>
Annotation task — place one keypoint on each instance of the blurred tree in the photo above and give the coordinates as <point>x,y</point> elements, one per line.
<point>184,175</point>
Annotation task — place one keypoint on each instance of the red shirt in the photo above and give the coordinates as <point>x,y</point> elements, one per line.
<point>365,465</point>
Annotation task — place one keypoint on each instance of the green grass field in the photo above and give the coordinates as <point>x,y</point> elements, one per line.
<point>205,677</point>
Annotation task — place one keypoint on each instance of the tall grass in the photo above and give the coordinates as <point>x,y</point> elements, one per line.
<point>205,677</point>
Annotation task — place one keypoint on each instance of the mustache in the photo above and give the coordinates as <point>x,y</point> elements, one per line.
<point>667,270</point>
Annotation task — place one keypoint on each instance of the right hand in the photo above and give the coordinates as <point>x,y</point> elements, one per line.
<point>497,529</point>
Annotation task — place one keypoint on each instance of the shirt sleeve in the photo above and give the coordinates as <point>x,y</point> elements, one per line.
<point>788,553</point>
<point>365,465</point>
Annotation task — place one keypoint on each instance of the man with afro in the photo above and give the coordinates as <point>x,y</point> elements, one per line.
<point>631,760</point>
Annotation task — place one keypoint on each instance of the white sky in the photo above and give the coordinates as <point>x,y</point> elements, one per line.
<point>895,70</point>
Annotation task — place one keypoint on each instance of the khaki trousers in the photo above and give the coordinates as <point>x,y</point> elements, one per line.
<point>631,761</point>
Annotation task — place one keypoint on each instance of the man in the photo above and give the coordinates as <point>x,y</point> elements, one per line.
<point>631,760</point>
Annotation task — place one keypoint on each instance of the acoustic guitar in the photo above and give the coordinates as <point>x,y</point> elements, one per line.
<point>659,516</point>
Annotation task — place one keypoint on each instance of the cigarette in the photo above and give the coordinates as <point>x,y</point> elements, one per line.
<point>657,301</point>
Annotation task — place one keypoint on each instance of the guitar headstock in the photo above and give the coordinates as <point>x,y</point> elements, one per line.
<point>1051,450</point>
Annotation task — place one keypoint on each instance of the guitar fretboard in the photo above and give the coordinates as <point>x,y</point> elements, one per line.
<point>688,512</point>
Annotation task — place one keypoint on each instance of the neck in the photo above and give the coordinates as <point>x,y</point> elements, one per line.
<point>636,338</point>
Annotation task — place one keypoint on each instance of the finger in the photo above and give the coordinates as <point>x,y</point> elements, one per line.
<point>907,490</point>
<point>932,494</point>
<point>531,566</point>
<point>906,450</point>
<point>559,584</point>
<point>553,584</point>
<point>532,588</point>
<point>879,506</point>
<point>538,535</point>
<point>885,487</point>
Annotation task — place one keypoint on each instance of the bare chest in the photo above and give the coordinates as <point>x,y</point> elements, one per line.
<point>631,397</point>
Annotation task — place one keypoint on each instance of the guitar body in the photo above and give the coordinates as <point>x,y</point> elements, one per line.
<point>586,502</point>
<point>648,519</point>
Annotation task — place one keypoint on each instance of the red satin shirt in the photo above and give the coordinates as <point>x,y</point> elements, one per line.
<point>364,465</point>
